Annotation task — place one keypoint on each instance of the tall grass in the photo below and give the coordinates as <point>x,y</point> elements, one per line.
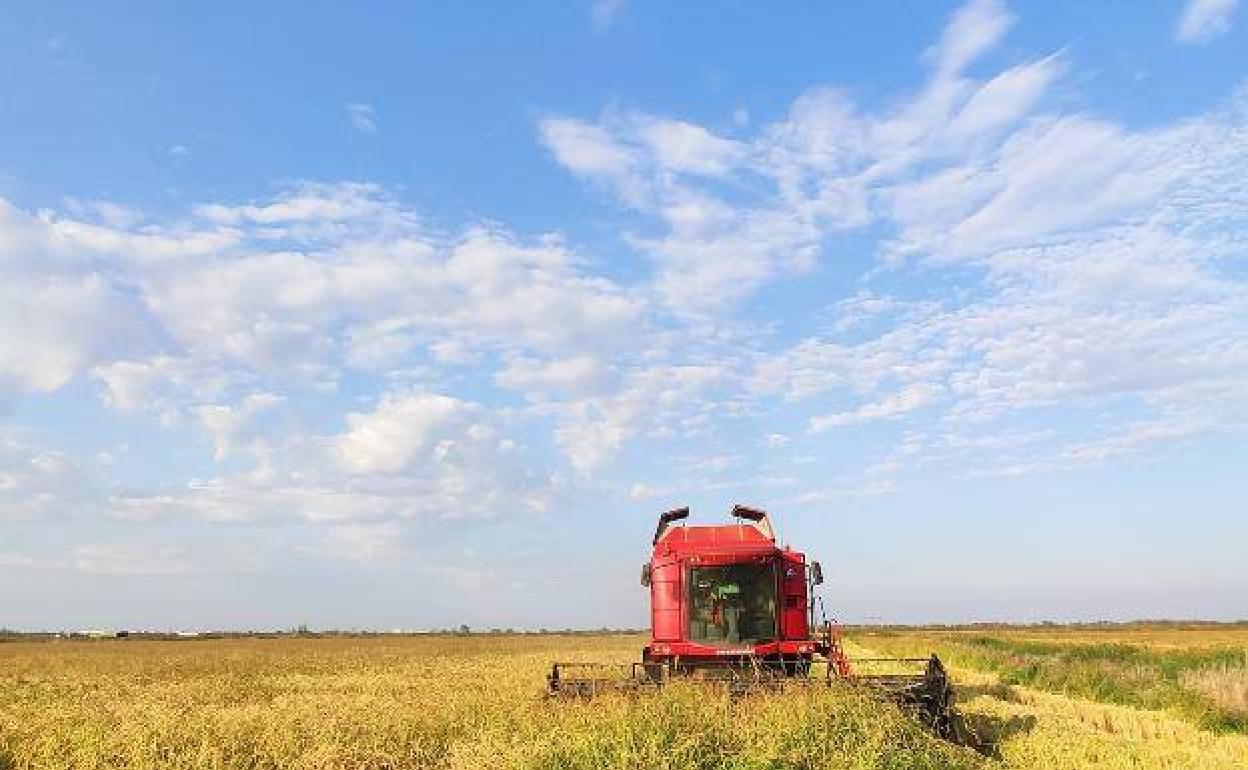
<point>1226,685</point>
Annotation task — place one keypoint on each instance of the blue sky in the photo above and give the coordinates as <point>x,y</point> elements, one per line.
<point>418,316</point>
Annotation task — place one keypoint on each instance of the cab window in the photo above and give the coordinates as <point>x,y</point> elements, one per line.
<point>732,604</point>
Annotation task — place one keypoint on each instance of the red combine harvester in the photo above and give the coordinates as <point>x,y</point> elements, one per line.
<point>728,605</point>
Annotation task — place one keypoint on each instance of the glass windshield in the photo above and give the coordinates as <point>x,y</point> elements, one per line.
<point>732,604</point>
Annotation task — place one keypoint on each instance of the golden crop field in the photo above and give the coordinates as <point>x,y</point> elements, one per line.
<point>476,702</point>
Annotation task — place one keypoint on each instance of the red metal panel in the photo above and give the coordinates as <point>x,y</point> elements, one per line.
<point>793,607</point>
<point>666,600</point>
<point>693,652</point>
<point>713,539</point>
<point>744,556</point>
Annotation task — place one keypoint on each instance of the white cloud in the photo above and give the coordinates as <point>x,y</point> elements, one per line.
<point>56,326</point>
<point>316,203</point>
<point>908,399</point>
<point>207,323</point>
<point>39,484</point>
<point>157,559</point>
<point>1009,96</point>
<point>713,253</point>
<point>365,542</point>
<point>162,385</point>
<point>131,559</point>
<point>1050,178</point>
<point>654,401</point>
<point>847,492</point>
<point>604,12</point>
<point>739,213</point>
<point>576,376</point>
<point>688,148</point>
<point>640,491</point>
<point>592,151</point>
<point>360,277</point>
<point>1204,20</point>
<point>404,430</point>
<point>1134,438</point>
<point>17,561</point>
<point>460,478</point>
<point>226,422</point>
<point>363,117</point>
<point>777,440</point>
<point>1101,259</point>
<point>450,453</point>
<point>105,213</point>
<point>975,28</point>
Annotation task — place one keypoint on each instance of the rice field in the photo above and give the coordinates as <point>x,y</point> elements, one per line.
<point>476,702</point>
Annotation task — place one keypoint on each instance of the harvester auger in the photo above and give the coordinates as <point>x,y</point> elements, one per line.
<point>730,607</point>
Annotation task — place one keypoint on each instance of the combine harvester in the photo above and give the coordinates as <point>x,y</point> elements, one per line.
<point>731,607</point>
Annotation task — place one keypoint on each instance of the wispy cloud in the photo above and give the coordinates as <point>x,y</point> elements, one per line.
<point>911,397</point>
<point>136,558</point>
<point>363,117</point>
<point>1204,20</point>
<point>603,13</point>
<point>1100,250</point>
<point>365,542</point>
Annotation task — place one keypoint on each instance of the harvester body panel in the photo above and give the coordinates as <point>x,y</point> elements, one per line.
<point>795,611</point>
<point>666,608</point>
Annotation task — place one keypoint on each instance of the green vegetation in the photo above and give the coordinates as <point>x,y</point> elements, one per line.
<point>1108,672</point>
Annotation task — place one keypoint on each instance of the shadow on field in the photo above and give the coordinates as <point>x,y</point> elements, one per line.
<point>6,761</point>
<point>985,734</point>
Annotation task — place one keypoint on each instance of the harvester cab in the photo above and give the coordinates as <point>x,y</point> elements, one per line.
<point>728,604</point>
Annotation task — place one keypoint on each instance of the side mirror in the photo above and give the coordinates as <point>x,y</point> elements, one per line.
<point>816,574</point>
<point>645,574</point>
